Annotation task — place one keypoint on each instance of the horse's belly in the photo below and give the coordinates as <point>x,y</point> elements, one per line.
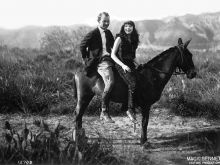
<point>119,93</point>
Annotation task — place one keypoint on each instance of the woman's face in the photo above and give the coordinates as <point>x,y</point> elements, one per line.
<point>128,28</point>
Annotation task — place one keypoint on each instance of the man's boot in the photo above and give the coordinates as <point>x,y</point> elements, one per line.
<point>105,109</point>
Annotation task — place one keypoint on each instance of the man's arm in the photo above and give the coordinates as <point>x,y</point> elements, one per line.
<point>85,44</point>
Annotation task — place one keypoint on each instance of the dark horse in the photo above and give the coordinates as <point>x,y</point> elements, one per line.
<point>153,76</point>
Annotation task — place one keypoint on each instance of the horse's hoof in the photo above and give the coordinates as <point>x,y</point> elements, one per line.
<point>146,145</point>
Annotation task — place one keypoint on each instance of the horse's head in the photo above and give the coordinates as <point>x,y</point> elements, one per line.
<point>185,61</point>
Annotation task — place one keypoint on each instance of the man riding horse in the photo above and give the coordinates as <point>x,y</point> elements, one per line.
<point>153,76</point>
<point>96,49</point>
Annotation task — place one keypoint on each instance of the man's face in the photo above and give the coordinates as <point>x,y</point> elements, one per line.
<point>104,22</point>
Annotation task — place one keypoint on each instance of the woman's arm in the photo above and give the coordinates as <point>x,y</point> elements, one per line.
<point>115,58</point>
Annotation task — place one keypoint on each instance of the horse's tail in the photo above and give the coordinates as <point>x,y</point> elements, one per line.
<point>74,87</point>
<point>73,65</point>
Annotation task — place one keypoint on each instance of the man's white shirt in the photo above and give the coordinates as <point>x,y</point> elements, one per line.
<point>104,51</point>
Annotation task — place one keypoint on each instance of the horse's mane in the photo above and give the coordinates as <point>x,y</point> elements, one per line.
<point>156,58</point>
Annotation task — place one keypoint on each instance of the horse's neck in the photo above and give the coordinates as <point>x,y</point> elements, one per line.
<point>172,68</point>
<point>168,65</point>
<point>164,67</point>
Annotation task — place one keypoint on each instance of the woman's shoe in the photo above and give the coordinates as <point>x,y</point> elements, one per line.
<point>106,117</point>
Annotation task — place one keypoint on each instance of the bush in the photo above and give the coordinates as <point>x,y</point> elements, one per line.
<point>200,96</point>
<point>63,42</point>
<point>31,86</point>
<point>50,147</point>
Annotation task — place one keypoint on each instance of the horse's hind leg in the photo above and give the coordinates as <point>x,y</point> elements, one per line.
<point>82,104</point>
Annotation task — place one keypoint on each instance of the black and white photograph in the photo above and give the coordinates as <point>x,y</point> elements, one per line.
<point>109,82</point>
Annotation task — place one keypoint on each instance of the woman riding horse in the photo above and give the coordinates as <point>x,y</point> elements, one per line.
<point>153,77</point>
<point>124,53</point>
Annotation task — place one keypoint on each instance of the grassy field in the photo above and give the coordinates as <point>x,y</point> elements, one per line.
<point>34,81</point>
<point>38,82</point>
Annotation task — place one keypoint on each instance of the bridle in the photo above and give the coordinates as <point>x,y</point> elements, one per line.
<point>180,72</point>
<point>180,48</point>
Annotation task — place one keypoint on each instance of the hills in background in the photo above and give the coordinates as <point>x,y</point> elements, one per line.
<point>204,29</point>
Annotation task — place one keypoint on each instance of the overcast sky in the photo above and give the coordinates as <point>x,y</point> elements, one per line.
<point>19,13</point>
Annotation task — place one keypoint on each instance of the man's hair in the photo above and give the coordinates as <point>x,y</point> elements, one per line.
<point>100,15</point>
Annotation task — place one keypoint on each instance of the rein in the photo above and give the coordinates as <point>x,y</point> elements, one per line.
<point>176,72</point>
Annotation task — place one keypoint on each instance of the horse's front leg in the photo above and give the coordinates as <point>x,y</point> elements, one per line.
<point>144,124</point>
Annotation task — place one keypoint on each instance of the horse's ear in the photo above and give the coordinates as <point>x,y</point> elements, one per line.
<point>187,43</point>
<point>180,42</point>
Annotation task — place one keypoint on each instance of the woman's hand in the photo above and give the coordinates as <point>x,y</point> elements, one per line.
<point>126,68</point>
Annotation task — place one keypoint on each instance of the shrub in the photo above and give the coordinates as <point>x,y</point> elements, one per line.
<point>50,147</point>
<point>31,86</point>
<point>199,97</point>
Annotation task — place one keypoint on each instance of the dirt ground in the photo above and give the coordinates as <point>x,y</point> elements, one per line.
<point>171,138</point>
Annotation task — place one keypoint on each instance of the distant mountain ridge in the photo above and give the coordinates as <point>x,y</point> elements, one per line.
<point>26,37</point>
<point>204,29</point>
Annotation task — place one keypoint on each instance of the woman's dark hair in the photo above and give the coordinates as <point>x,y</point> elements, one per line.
<point>134,35</point>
